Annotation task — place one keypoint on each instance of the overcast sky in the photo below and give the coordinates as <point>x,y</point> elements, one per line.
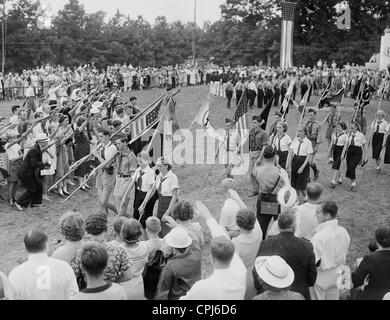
<point>207,10</point>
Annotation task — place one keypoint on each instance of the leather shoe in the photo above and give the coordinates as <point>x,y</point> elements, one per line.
<point>332,185</point>
<point>253,195</point>
<point>353,189</point>
<point>19,207</point>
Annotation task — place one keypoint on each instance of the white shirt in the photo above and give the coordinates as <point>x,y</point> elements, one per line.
<point>14,119</point>
<point>382,126</point>
<point>285,142</point>
<point>168,183</point>
<point>30,92</point>
<point>109,151</point>
<point>233,140</point>
<point>228,215</point>
<point>305,149</point>
<point>53,94</point>
<point>360,139</point>
<point>341,140</point>
<point>43,278</point>
<point>13,152</point>
<point>330,244</point>
<point>223,284</point>
<point>247,246</point>
<point>306,220</point>
<point>252,86</point>
<point>148,178</point>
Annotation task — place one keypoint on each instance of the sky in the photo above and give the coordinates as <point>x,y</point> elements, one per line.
<point>183,10</point>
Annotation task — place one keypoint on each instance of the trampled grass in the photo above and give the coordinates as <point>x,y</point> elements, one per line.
<point>360,212</point>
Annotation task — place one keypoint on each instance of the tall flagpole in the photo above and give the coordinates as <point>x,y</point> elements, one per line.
<point>194,36</point>
<point>3,39</point>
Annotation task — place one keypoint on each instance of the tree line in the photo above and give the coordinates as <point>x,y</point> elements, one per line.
<point>247,33</point>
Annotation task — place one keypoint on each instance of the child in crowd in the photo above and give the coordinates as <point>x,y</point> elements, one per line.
<point>13,151</point>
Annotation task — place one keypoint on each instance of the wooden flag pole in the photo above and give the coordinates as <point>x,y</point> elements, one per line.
<point>383,94</point>
<point>302,116</point>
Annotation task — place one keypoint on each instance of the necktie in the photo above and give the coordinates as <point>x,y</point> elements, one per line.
<point>228,141</point>
<point>378,123</point>
<point>310,129</point>
<point>337,139</point>
<point>353,140</point>
<point>138,183</point>
<point>102,153</point>
<point>299,147</point>
<point>160,186</point>
<point>279,143</point>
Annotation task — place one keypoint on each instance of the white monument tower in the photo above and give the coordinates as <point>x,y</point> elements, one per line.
<point>385,50</point>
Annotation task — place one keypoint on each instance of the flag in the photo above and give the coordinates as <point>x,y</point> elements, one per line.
<point>140,126</point>
<point>344,20</point>
<point>265,114</point>
<point>286,46</point>
<point>322,102</point>
<point>287,96</point>
<point>239,116</point>
<point>202,118</point>
<point>338,97</point>
<point>357,88</point>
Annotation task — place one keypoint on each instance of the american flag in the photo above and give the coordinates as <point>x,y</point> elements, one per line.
<point>239,116</point>
<point>286,48</point>
<point>145,122</point>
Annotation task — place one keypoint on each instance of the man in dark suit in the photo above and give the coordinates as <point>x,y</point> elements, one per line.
<point>29,174</point>
<point>298,253</point>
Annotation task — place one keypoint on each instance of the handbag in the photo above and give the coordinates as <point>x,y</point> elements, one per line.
<point>270,207</point>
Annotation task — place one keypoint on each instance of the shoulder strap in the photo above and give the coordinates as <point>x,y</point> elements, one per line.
<point>276,184</point>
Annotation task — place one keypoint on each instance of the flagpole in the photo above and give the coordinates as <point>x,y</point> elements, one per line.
<point>194,36</point>
<point>3,40</point>
<point>208,174</point>
<point>383,94</point>
<point>236,154</point>
<point>302,115</point>
<point>191,125</point>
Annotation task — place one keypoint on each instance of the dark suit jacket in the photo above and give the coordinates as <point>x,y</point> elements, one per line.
<point>299,255</point>
<point>377,266</point>
<point>31,163</point>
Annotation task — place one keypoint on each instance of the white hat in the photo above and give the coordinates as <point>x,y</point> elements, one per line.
<point>178,238</point>
<point>97,104</point>
<point>42,137</point>
<point>274,271</point>
<point>94,110</point>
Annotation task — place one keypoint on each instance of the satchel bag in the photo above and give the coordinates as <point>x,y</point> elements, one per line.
<point>270,207</point>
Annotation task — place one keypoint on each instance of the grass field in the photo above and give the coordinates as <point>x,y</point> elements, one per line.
<point>360,212</point>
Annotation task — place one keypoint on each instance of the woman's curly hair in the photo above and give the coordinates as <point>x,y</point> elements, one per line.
<point>72,226</point>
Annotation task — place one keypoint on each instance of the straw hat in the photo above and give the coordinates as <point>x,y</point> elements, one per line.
<point>178,238</point>
<point>274,271</point>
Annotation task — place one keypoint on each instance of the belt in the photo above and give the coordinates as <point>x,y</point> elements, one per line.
<point>124,175</point>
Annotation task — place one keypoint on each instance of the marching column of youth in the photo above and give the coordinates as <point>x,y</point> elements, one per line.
<point>145,179</point>
<point>238,89</point>
<point>30,177</point>
<point>376,137</point>
<point>260,93</point>
<point>338,142</point>
<point>229,92</point>
<point>105,180</point>
<point>301,151</point>
<point>125,166</point>
<point>355,152</point>
<point>252,92</point>
<point>167,187</point>
<point>313,133</point>
<point>257,140</point>
<point>281,142</point>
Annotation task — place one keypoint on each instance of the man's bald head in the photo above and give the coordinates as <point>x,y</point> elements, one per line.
<point>35,241</point>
